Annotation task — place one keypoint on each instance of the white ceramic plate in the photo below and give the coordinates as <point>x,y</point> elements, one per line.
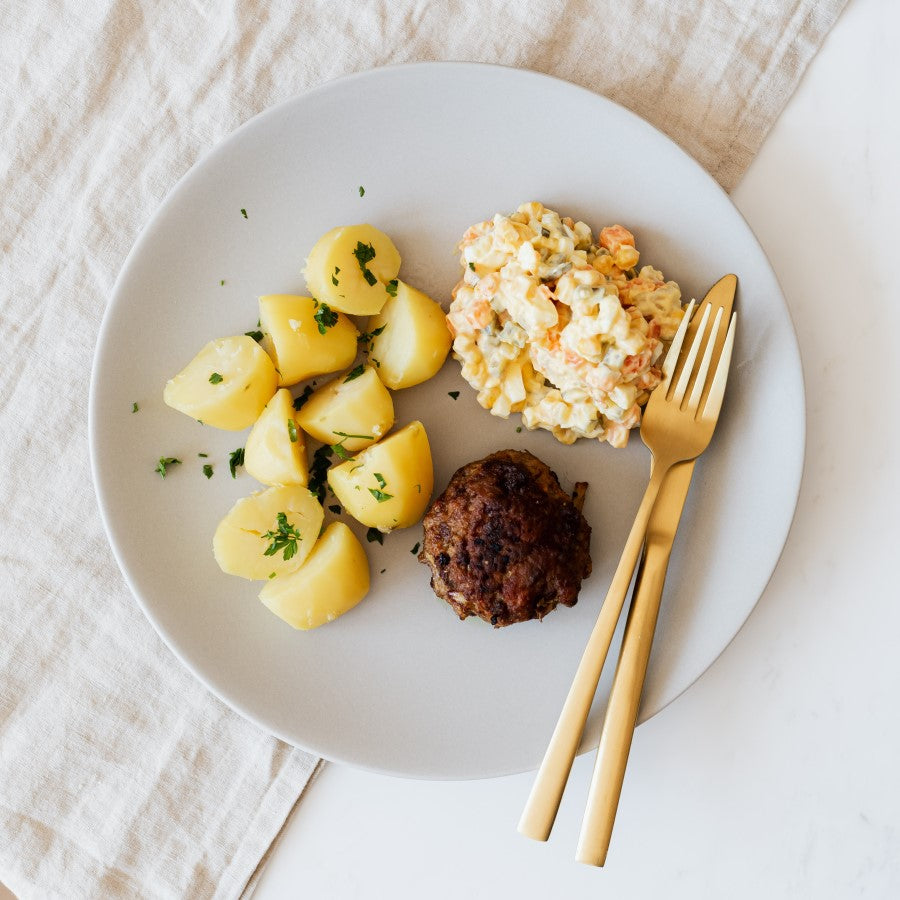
<point>399,684</point>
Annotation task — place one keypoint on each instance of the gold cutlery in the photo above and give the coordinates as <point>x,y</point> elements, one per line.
<point>674,431</point>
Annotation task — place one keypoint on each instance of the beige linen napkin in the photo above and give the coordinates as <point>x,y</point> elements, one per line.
<point>119,774</point>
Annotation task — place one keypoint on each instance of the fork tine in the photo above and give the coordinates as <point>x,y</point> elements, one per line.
<point>703,371</point>
<point>688,366</point>
<point>717,391</point>
<point>675,348</point>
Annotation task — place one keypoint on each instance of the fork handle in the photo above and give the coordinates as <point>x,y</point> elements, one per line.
<point>546,793</point>
<point>622,708</point>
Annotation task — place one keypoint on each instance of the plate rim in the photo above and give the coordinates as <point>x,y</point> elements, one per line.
<point>148,230</point>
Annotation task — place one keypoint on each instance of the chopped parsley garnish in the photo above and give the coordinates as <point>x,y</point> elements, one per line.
<point>318,471</point>
<point>365,253</point>
<point>272,574</point>
<point>203,455</point>
<point>299,401</point>
<point>380,496</point>
<point>355,373</point>
<point>292,430</point>
<point>284,538</point>
<point>415,548</point>
<point>362,437</point>
<point>418,488</point>
<point>335,509</point>
<point>382,571</point>
<point>391,287</point>
<point>519,429</point>
<point>374,535</point>
<point>337,271</point>
<point>208,470</point>
<point>380,479</point>
<point>325,317</point>
<point>256,335</point>
<point>134,407</point>
<point>235,459</point>
<point>163,462</point>
<point>216,378</point>
<point>366,337</point>
<point>244,213</point>
<point>221,282</point>
<point>472,266</point>
<point>453,394</point>
<point>362,191</point>
<point>340,451</point>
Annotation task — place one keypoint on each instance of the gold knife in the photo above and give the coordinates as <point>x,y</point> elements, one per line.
<point>628,682</point>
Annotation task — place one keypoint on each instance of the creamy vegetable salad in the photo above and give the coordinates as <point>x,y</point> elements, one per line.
<point>560,328</point>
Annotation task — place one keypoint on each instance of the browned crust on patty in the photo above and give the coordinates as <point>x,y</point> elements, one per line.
<point>504,542</point>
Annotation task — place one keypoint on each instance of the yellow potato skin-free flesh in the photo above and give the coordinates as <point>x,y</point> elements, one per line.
<point>300,345</point>
<point>389,484</point>
<point>413,340</point>
<point>350,268</point>
<point>226,385</point>
<point>239,544</point>
<point>361,406</point>
<point>334,578</point>
<point>275,452</point>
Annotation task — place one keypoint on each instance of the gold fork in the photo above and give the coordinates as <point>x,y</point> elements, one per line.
<point>674,431</point>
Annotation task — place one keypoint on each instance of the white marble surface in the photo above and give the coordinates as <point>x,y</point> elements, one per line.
<point>778,773</point>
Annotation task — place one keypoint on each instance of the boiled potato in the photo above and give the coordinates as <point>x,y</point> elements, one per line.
<point>360,406</point>
<point>276,450</point>
<point>334,578</point>
<point>350,268</point>
<point>413,339</point>
<point>240,542</point>
<point>301,344</point>
<point>226,384</point>
<point>387,485</point>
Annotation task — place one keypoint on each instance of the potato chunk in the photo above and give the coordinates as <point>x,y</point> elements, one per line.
<point>334,578</point>
<point>350,267</point>
<point>304,337</point>
<point>291,516</point>
<point>359,406</point>
<point>276,449</point>
<point>413,340</point>
<point>387,485</point>
<point>225,385</point>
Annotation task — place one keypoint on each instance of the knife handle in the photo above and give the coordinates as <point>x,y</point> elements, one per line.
<point>624,700</point>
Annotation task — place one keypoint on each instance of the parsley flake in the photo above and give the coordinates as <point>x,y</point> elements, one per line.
<point>256,335</point>
<point>325,317</point>
<point>203,455</point>
<point>163,462</point>
<point>472,266</point>
<point>284,538</point>
<point>235,459</point>
<point>244,213</point>
<point>292,430</point>
<point>373,535</point>
<point>380,496</point>
<point>415,548</point>
<point>216,378</point>
<point>355,373</point>
<point>365,253</point>
<point>334,276</point>
<point>453,394</point>
<point>362,437</point>
<point>208,470</point>
<point>340,451</point>
<point>299,401</point>
<point>519,429</point>
<point>221,282</point>
<point>318,471</point>
<point>391,287</point>
<point>380,479</point>
<point>272,574</point>
<point>134,407</point>
<point>362,191</point>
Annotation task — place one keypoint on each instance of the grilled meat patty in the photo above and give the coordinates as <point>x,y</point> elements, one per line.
<point>504,542</point>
